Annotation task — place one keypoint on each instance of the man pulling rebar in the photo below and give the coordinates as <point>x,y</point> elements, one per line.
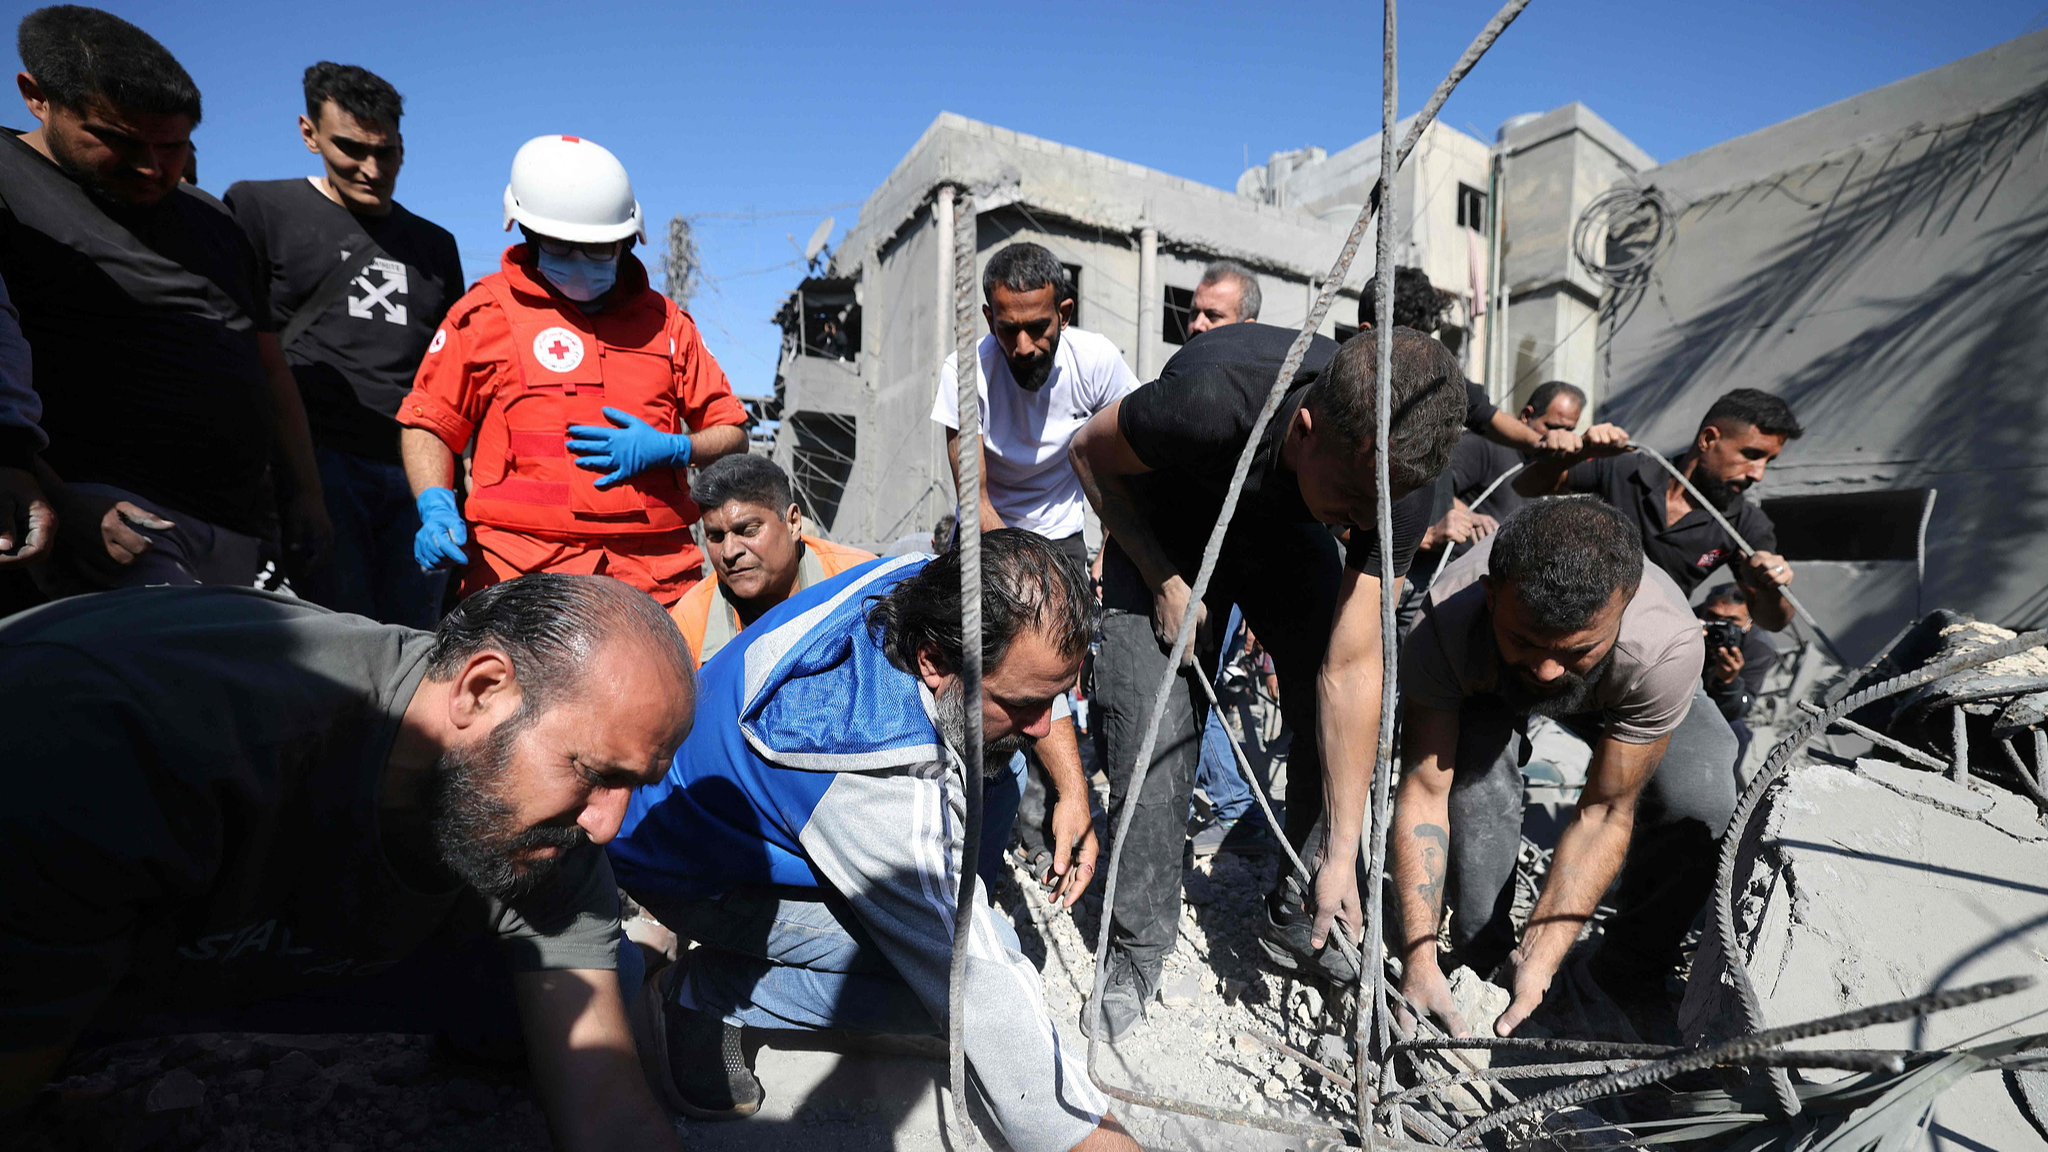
<point>1558,614</point>
<point>1157,465</point>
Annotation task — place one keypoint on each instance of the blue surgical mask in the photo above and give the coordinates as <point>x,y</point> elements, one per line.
<point>578,276</point>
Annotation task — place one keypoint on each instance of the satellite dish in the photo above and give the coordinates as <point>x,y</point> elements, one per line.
<point>819,237</point>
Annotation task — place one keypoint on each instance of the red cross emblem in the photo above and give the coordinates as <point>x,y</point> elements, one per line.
<point>558,350</point>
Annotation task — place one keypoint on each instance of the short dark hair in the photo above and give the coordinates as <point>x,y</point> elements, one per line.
<point>1725,594</point>
<point>1026,581</point>
<point>357,91</point>
<point>945,533</point>
<point>1547,393</point>
<point>1427,407</point>
<point>1417,303</point>
<point>1249,299</point>
<point>1760,410</point>
<point>747,478</point>
<point>1566,557</point>
<point>1026,267</point>
<point>550,624</point>
<point>76,53</point>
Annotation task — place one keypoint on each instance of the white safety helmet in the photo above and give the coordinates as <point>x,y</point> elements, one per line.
<point>571,189</point>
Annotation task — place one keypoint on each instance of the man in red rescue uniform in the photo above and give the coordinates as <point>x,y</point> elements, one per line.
<point>585,393</point>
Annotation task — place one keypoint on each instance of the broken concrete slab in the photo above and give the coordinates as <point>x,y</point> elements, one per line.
<point>1861,886</point>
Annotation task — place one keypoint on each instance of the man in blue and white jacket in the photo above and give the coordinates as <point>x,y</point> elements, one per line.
<point>808,834</point>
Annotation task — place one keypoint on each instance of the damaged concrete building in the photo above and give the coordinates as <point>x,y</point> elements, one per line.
<point>1878,263</point>
<point>863,342</point>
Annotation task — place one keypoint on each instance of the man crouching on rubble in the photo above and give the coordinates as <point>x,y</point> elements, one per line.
<point>1559,615</point>
<point>808,835</point>
<point>234,812</point>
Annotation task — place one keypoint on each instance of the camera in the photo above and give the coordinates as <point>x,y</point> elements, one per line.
<point>1723,633</point>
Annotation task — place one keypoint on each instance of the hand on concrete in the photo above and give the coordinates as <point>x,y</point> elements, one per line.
<point>27,522</point>
<point>1766,570</point>
<point>1531,983</point>
<point>1169,604</point>
<point>1424,985</point>
<point>1074,850</point>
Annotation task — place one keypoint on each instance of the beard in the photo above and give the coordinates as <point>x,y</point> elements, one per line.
<point>1568,695</point>
<point>1724,495</point>
<point>475,826</point>
<point>995,754</point>
<point>1031,372</point>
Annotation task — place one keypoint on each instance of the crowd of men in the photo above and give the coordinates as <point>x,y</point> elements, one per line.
<point>385,803</point>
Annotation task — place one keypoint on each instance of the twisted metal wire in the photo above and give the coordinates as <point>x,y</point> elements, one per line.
<point>1379,784</point>
<point>1748,1005</point>
<point>1212,552</point>
<point>1742,1050</point>
<point>967,371</point>
<point>1805,617</point>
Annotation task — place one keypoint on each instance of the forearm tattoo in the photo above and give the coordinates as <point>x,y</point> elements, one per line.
<point>1434,847</point>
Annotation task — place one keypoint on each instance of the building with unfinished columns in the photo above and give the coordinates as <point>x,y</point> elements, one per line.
<point>863,342</point>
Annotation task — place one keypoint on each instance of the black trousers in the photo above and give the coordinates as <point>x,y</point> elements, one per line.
<point>1669,870</point>
<point>1285,578</point>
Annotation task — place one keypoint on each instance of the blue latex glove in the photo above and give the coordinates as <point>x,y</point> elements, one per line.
<point>628,450</point>
<point>438,543</point>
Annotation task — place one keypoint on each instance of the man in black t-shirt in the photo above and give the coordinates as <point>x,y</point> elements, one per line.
<point>1554,406</point>
<point>355,359</point>
<point>1738,438</point>
<point>164,394</point>
<point>232,811</point>
<point>1156,465</point>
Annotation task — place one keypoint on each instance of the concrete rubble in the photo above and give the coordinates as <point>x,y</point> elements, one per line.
<point>1879,882</point>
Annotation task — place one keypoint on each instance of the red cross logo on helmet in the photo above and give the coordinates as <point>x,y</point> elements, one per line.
<point>558,350</point>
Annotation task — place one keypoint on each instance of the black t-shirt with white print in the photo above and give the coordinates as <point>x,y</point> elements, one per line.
<point>356,362</point>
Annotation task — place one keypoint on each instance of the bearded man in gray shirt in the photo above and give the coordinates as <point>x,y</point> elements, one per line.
<point>230,811</point>
<point>1559,615</point>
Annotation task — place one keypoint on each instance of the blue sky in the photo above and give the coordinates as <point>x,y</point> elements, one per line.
<point>768,117</point>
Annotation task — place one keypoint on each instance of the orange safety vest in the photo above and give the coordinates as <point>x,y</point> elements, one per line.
<point>692,613</point>
<point>571,366</point>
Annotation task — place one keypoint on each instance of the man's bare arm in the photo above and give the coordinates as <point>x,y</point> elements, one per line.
<point>1763,578</point>
<point>428,462</point>
<point>1589,855</point>
<point>715,442</point>
<point>1348,690</point>
<point>1505,429</point>
<point>585,1069</point>
<point>990,519</point>
<point>1103,459</point>
<point>1073,827</point>
<point>1109,1136</point>
<point>1547,471</point>
<point>1420,849</point>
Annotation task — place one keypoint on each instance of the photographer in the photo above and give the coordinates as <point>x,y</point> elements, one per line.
<point>1738,658</point>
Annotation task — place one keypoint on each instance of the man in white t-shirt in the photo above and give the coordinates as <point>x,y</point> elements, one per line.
<point>1041,380</point>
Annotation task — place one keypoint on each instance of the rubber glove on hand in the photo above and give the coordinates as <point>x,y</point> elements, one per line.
<point>438,543</point>
<point>628,450</point>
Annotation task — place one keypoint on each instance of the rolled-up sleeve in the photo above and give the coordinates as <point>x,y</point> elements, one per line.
<point>452,388</point>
